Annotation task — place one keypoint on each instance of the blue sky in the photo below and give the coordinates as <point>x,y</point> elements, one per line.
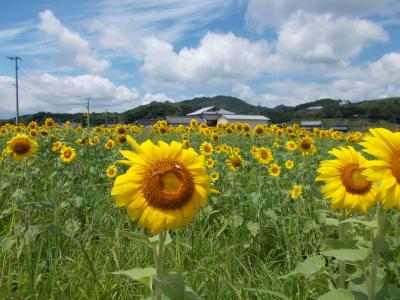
<point>124,53</point>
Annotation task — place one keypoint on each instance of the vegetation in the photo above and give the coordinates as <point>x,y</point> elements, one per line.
<point>371,110</point>
<point>267,234</point>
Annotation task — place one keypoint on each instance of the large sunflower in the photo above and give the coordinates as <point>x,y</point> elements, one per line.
<point>345,184</point>
<point>385,146</point>
<point>165,185</point>
<point>21,146</point>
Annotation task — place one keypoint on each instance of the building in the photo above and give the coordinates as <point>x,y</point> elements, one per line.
<point>182,120</point>
<point>145,122</point>
<point>210,115</point>
<point>311,124</point>
<point>252,120</point>
<point>341,127</point>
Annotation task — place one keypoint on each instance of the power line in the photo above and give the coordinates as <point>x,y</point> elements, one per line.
<point>16,58</point>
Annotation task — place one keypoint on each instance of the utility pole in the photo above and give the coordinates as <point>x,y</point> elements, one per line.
<point>105,118</point>
<point>16,58</point>
<point>88,112</point>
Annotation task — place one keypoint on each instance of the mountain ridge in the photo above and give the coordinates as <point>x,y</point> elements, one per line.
<point>385,109</point>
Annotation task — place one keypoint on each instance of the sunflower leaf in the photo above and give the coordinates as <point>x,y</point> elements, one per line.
<point>350,255</point>
<point>137,237</point>
<point>143,275</point>
<point>172,286</point>
<point>310,266</point>
<point>338,294</point>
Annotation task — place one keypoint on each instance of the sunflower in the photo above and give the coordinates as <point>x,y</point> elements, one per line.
<point>296,192</point>
<point>345,184</point>
<point>254,150</point>
<point>67,154</point>
<point>109,144</point>
<point>276,145</point>
<point>121,138</point>
<point>121,129</point>
<point>218,149</point>
<point>214,176</point>
<point>186,144</point>
<point>291,146</point>
<point>57,146</point>
<point>206,148</point>
<point>33,133</point>
<point>32,125</point>
<point>193,123</point>
<point>264,155</point>
<point>234,162</point>
<point>111,171</point>
<point>259,130</point>
<point>210,163</point>
<point>289,164</point>
<point>307,146</point>
<point>165,185</point>
<point>214,136</point>
<point>21,146</point>
<point>385,146</point>
<point>49,122</point>
<point>274,170</point>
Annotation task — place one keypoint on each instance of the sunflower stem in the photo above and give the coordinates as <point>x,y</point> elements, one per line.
<point>343,237</point>
<point>158,260</point>
<point>376,250</point>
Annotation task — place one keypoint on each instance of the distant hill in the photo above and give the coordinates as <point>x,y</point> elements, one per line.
<point>378,109</point>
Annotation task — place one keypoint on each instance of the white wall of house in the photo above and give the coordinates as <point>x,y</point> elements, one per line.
<point>251,122</point>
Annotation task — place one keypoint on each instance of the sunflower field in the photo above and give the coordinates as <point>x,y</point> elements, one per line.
<point>197,212</point>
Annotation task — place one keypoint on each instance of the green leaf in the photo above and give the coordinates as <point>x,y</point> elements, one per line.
<point>236,221</point>
<point>173,286</point>
<point>310,266</point>
<point>339,244</point>
<point>331,222</point>
<point>351,255</point>
<point>154,240</point>
<point>338,294</point>
<point>143,275</point>
<point>137,237</point>
<point>254,228</point>
<point>190,294</point>
<point>271,214</point>
<point>371,224</point>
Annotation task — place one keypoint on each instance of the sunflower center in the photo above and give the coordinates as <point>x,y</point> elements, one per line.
<point>395,166</point>
<point>67,153</point>
<point>264,154</point>
<point>236,162</point>
<point>306,144</point>
<point>168,185</point>
<point>21,147</point>
<point>353,180</point>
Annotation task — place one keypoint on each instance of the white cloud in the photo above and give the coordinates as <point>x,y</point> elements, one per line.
<point>218,60</point>
<point>74,49</point>
<point>261,14</point>
<point>159,97</point>
<point>325,38</point>
<point>65,94</point>
<point>121,26</point>
<point>379,79</point>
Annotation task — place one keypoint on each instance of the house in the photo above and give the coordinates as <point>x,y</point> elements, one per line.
<point>252,120</point>
<point>210,114</point>
<point>182,120</point>
<point>145,122</point>
<point>341,127</point>
<point>311,124</point>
